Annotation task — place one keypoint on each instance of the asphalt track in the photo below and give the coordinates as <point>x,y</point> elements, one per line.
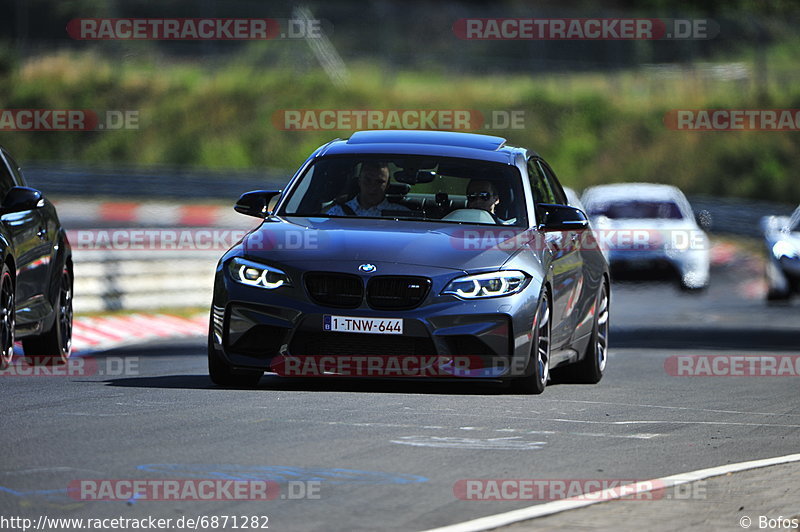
<point>383,455</point>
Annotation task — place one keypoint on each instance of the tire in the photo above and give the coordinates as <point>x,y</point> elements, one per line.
<point>537,371</point>
<point>777,296</point>
<point>590,369</point>
<point>54,346</point>
<point>692,289</point>
<point>778,287</point>
<point>222,374</point>
<point>7,317</point>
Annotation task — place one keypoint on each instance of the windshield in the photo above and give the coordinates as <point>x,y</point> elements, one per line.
<point>413,188</point>
<point>794,224</point>
<point>637,210</point>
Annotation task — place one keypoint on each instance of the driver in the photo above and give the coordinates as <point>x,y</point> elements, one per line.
<point>371,198</point>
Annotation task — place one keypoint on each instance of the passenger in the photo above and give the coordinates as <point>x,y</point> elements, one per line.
<point>482,195</point>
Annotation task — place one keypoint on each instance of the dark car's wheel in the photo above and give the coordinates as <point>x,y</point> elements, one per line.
<point>6,317</point>
<point>692,289</point>
<point>538,369</point>
<point>591,368</point>
<point>774,296</point>
<point>778,289</point>
<point>223,375</point>
<point>54,346</point>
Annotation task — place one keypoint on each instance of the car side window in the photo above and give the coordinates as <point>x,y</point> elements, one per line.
<point>560,197</point>
<point>16,171</point>
<point>6,180</point>
<point>542,192</point>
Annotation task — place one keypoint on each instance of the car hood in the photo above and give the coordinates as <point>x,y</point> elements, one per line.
<point>442,245</point>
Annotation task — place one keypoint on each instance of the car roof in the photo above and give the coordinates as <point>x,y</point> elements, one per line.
<point>419,142</point>
<point>632,191</point>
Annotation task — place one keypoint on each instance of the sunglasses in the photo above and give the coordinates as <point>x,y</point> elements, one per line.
<point>483,196</point>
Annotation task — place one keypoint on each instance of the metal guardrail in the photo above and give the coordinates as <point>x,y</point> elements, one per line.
<point>123,181</point>
<point>738,216</point>
<point>137,280</point>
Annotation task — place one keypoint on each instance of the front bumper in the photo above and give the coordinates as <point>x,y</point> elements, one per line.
<point>692,267</point>
<point>254,328</point>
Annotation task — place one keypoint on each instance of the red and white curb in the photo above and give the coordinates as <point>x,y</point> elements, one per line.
<point>147,212</point>
<point>106,332</point>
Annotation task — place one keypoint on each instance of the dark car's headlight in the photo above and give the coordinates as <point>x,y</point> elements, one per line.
<point>781,248</point>
<point>255,274</point>
<point>492,284</point>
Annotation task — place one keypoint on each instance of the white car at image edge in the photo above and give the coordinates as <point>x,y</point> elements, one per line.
<point>782,238</point>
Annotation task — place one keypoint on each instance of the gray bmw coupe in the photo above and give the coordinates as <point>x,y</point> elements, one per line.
<point>413,254</point>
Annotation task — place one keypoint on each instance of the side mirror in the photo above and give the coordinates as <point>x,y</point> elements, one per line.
<point>562,218</point>
<point>703,219</point>
<point>255,203</point>
<point>20,199</point>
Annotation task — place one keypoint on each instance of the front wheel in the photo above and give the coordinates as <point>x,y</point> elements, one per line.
<point>537,371</point>
<point>222,374</point>
<point>54,346</point>
<point>7,324</point>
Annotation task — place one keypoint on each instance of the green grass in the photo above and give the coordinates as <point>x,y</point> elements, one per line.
<point>592,127</point>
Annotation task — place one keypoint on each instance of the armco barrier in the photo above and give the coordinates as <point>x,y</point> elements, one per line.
<point>136,280</point>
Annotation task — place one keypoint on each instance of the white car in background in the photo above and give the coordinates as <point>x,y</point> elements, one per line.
<point>652,227</point>
<point>782,237</point>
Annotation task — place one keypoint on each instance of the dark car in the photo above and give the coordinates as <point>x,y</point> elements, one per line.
<point>782,239</point>
<point>36,274</point>
<point>451,249</point>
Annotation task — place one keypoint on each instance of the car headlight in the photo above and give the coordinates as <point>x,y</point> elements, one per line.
<point>781,248</point>
<point>255,274</point>
<point>492,284</point>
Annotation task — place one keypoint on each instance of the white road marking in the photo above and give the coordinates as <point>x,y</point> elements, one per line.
<point>667,407</point>
<point>636,436</point>
<point>665,422</point>
<point>554,507</point>
<point>92,414</point>
<point>490,444</point>
<point>621,423</point>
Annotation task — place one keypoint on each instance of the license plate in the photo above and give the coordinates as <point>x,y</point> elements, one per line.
<point>354,324</point>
